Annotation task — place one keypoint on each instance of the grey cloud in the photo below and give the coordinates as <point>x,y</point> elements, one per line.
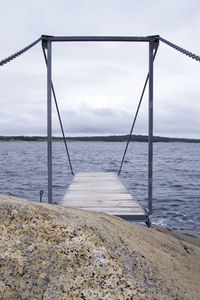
<point>99,121</point>
<point>107,77</point>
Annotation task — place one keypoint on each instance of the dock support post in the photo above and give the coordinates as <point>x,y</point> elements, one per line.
<point>150,128</point>
<point>49,122</point>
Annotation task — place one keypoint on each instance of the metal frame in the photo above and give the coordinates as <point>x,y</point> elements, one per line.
<point>153,44</point>
<point>49,120</point>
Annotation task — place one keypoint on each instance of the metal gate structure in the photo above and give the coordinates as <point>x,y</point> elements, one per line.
<point>153,42</point>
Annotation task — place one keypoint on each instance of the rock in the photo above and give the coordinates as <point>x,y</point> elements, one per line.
<point>53,252</point>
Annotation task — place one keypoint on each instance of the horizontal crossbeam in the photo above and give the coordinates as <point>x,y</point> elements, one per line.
<point>99,38</point>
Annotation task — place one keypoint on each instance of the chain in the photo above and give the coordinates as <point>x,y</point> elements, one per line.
<point>182,50</point>
<point>11,57</point>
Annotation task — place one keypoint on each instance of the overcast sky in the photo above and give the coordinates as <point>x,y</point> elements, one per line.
<point>98,85</point>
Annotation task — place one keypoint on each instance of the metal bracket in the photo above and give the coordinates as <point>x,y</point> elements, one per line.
<point>156,39</point>
<point>44,40</point>
<point>156,44</point>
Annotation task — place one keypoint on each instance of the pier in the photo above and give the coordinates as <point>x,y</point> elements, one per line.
<point>103,192</point>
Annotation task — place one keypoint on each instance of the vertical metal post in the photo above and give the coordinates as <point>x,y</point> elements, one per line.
<point>49,122</point>
<point>150,129</point>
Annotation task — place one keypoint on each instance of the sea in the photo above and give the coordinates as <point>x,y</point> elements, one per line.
<point>176,174</point>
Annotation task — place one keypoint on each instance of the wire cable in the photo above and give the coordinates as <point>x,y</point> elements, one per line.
<point>59,117</point>
<point>135,118</point>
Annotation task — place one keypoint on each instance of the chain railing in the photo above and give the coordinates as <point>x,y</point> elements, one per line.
<point>180,49</point>
<point>15,55</point>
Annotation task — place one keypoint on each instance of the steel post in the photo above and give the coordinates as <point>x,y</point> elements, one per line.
<point>49,122</point>
<point>150,128</point>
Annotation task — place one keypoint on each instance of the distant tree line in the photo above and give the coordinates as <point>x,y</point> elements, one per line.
<point>111,138</point>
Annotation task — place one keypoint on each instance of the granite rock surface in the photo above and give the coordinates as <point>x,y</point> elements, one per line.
<point>52,252</point>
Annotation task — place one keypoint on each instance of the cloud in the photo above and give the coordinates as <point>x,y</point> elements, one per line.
<point>92,121</point>
<point>98,85</point>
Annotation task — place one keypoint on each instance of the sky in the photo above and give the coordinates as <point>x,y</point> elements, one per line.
<point>98,85</point>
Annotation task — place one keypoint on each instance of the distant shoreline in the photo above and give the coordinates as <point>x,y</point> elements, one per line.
<point>111,138</point>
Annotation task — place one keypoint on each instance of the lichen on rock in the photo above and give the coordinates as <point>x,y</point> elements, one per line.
<point>51,252</point>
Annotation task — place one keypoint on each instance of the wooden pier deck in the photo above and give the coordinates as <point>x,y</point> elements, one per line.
<point>102,192</point>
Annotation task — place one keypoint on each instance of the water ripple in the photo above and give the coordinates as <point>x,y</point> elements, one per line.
<point>176,194</point>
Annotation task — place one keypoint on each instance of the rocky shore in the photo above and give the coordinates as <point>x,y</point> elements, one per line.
<point>52,252</point>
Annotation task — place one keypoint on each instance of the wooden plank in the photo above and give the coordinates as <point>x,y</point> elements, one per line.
<point>97,198</point>
<point>100,195</point>
<point>103,203</point>
<point>103,192</point>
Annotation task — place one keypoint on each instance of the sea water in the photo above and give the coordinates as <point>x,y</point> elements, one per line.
<point>176,174</point>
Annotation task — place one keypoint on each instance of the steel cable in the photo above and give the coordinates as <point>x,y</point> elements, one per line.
<point>136,114</point>
<point>182,50</point>
<point>59,117</point>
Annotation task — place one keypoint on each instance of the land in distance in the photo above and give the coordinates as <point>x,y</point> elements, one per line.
<point>110,138</point>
